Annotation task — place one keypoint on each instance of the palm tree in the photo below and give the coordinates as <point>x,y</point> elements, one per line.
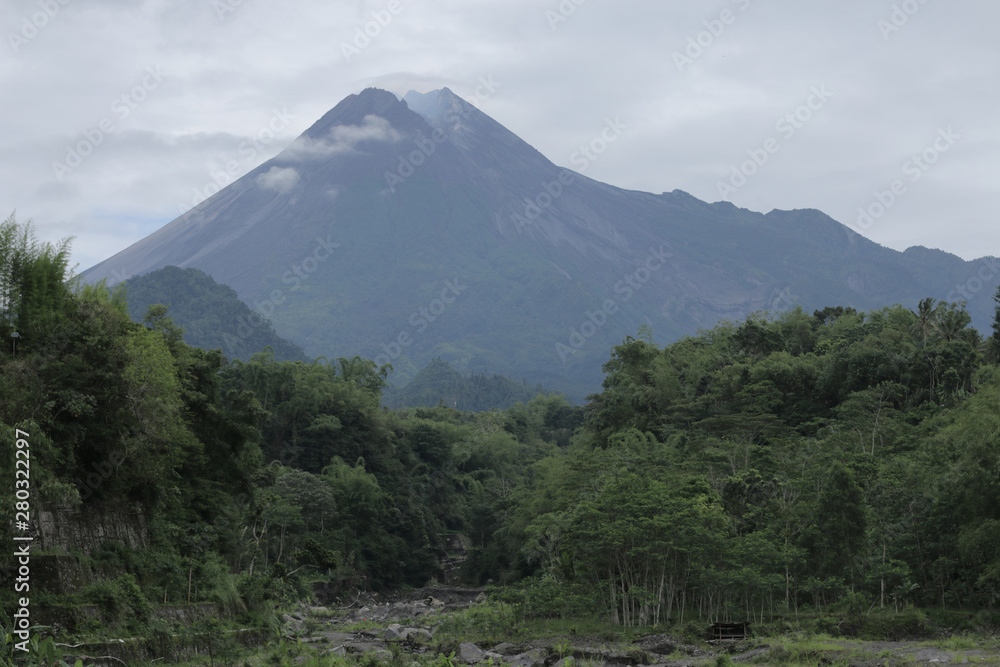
<point>926,313</point>
<point>951,321</point>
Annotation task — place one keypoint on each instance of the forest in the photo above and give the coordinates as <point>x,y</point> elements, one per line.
<point>787,464</point>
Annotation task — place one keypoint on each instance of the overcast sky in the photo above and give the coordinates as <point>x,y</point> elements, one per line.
<point>118,114</point>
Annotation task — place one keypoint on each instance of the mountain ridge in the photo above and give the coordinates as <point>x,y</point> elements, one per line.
<point>349,232</point>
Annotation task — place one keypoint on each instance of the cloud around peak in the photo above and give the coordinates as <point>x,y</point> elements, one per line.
<point>343,139</point>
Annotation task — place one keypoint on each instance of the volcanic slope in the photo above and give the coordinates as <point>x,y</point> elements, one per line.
<point>418,228</point>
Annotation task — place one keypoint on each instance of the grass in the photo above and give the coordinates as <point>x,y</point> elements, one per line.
<point>492,623</point>
<point>962,642</point>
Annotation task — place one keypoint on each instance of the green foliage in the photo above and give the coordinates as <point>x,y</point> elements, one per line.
<point>439,383</point>
<point>208,315</point>
<point>120,600</point>
<point>840,463</point>
<point>41,651</point>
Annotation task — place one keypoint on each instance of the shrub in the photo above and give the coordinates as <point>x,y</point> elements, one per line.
<point>119,599</point>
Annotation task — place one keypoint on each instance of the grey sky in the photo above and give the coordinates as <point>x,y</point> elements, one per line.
<point>814,104</point>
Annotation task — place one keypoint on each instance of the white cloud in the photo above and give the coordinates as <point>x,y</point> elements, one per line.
<point>343,139</point>
<point>279,179</point>
<point>224,74</point>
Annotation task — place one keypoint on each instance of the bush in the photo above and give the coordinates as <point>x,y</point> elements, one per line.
<point>547,598</point>
<point>119,599</point>
<point>219,585</point>
<point>887,626</point>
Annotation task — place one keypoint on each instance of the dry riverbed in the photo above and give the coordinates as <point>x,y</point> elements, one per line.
<point>410,625</point>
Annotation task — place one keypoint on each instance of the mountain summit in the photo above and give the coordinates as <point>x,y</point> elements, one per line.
<point>419,228</point>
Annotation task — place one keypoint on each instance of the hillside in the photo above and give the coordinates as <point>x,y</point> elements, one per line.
<point>211,315</point>
<point>829,473</point>
<point>405,230</point>
<point>440,384</point>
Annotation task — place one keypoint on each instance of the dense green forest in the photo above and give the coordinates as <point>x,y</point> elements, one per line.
<point>440,384</point>
<point>211,315</point>
<point>777,465</point>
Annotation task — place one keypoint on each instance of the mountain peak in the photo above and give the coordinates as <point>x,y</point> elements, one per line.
<point>409,229</point>
<point>434,104</point>
<point>354,109</point>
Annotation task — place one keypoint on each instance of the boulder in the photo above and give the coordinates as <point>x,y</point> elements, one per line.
<point>660,644</point>
<point>292,625</point>
<point>419,635</point>
<point>533,658</point>
<point>470,654</point>
<point>481,598</point>
<point>505,648</point>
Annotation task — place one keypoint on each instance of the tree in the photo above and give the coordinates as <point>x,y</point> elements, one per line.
<point>841,524</point>
<point>926,316</point>
<point>33,287</point>
<point>995,338</point>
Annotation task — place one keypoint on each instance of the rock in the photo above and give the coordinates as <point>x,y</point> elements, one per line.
<point>434,602</point>
<point>660,644</point>
<point>533,658</point>
<point>470,654</point>
<point>418,635</point>
<point>392,632</point>
<point>504,648</point>
<point>481,598</point>
<point>337,650</point>
<point>292,625</point>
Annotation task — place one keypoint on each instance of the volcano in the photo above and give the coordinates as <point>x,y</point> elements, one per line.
<point>409,229</point>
